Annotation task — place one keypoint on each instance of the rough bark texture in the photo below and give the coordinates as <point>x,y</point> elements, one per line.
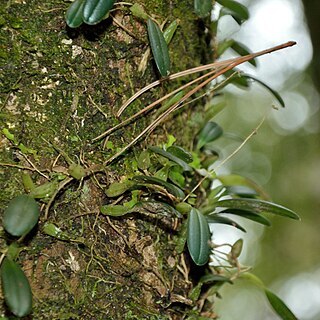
<point>54,84</point>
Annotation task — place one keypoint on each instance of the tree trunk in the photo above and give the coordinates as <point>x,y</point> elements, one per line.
<point>60,88</point>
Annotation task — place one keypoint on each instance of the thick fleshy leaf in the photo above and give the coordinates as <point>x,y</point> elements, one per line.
<point>74,17</point>
<point>258,206</point>
<point>159,48</point>
<point>202,8</point>
<point>198,237</point>
<point>213,218</point>
<point>21,215</point>
<point>279,306</point>
<point>237,10</point>
<point>210,132</point>
<point>45,190</point>
<point>16,288</point>
<point>236,249</point>
<point>144,160</point>
<point>242,50</point>
<point>181,153</point>
<point>171,157</point>
<point>174,190</point>
<point>95,10</point>
<point>248,215</point>
<point>274,93</point>
<point>177,177</point>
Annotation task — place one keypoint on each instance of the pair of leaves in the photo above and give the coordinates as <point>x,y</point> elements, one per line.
<point>88,11</point>
<point>237,10</point>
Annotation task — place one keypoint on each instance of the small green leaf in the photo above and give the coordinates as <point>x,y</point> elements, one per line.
<point>16,288</point>
<point>170,30</point>
<point>183,207</point>
<point>171,157</point>
<point>195,292</point>
<point>237,78</point>
<point>210,132</point>
<point>118,188</point>
<point>95,10</point>
<point>53,231</point>
<point>138,11</point>
<point>177,97</point>
<point>275,93</point>
<point>77,171</point>
<point>258,206</point>
<point>44,191</point>
<point>248,215</point>
<point>212,109</point>
<point>202,8</point>
<point>74,17</point>
<point>241,191</point>
<point>176,177</point>
<point>159,48</point>
<point>198,237</point>
<point>223,46</point>
<point>279,306</point>
<point>174,190</point>
<point>237,10</point>
<point>21,215</point>
<point>181,153</point>
<point>144,160</point>
<point>115,210</point>
<point>242,50</point>
<point>213,218</point>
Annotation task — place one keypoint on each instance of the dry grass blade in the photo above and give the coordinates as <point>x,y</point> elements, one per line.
<point>213,65</point>
<point>227,65</point>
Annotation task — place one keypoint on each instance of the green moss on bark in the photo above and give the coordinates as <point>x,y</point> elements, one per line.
<point>54,84</point>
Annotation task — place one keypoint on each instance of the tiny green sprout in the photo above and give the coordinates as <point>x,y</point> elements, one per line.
<point>76,171</point>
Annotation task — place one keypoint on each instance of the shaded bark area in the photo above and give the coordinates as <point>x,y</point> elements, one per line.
<point>63,87</point>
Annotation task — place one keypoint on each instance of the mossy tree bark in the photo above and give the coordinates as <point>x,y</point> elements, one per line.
<point>63,87</point>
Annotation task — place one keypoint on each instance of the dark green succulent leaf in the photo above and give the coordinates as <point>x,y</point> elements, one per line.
<point>171,157</point>
<point>258,206</point>
<point>159,48</point>
<point>242,50</point>
<point>74,17</point>
<point>174,190</point>
<point>248,215</point>
<point>279,306</point>
<point>274,93</point>
<point>170,30</point>
<point>21,215</point>
<point>181,153</point>
<point>210,132</point>
<point>198,237</point>
<point>209,278</point>
<point>202,8</point>
<point>236,9</point>
<point>16,288</point>
<point>213,218</point>
<point>95,10</point>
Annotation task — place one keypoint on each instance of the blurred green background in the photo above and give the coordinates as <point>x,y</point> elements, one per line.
<point>284,157</point>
